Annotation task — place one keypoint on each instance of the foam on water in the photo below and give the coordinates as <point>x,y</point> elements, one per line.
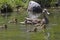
<point>47,36</point>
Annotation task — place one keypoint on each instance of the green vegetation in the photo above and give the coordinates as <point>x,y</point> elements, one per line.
<point>14,2</point>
